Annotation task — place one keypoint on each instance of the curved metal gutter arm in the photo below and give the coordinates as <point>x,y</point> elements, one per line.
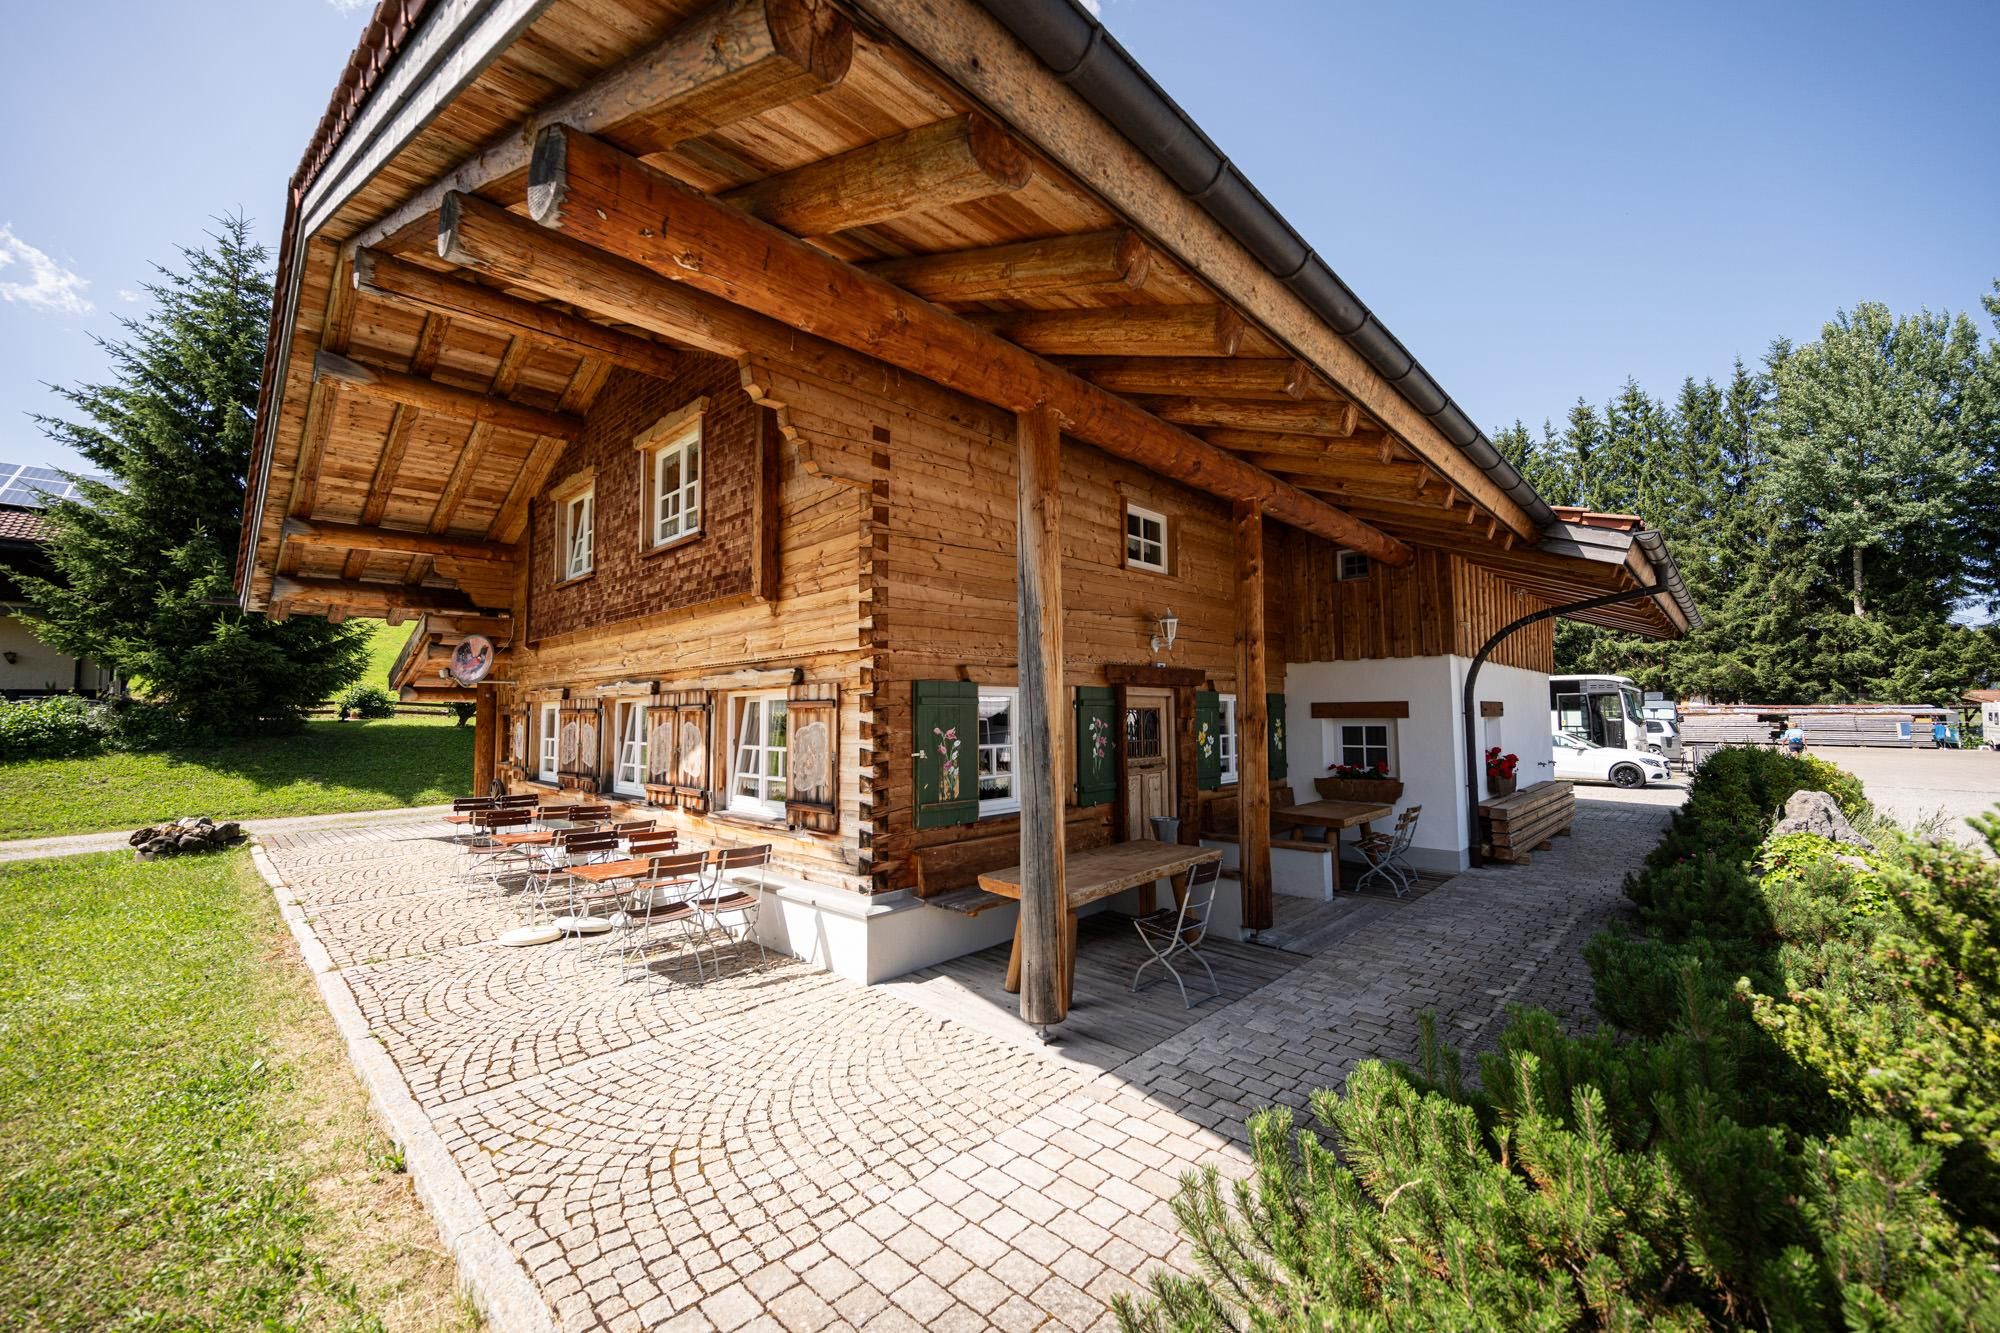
<point>1467,705</point>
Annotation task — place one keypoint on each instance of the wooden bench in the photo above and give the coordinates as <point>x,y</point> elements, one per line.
<point>948,874</point>
<point>1519,825</point>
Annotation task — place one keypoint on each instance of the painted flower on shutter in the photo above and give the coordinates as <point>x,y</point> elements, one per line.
<point>948,778</point>
<point>1100,742</point>
<point>1278,732</point>
<point>1205,740</point>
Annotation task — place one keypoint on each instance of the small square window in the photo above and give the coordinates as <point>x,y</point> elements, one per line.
<point>578,535</point>
<point>1353,565</point>
<point>1145,539</point>
<point>1368,745</point>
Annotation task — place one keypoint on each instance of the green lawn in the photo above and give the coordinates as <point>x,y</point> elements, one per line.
<point>384,642</point>
<point>183,1144</point>
<point>329,768</point>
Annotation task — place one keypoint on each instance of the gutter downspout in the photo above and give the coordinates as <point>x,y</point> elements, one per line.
<point>1468,705</point>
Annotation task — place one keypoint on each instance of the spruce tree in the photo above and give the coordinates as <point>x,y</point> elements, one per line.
<point>146,564</point>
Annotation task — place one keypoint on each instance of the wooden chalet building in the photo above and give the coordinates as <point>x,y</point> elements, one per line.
<point>826,404</point>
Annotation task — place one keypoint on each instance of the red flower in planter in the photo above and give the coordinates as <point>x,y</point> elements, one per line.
<point>1500,765</point>
<point>1378,771</point>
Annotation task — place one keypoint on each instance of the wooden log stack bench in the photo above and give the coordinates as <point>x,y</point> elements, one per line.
<point>1514,827</point>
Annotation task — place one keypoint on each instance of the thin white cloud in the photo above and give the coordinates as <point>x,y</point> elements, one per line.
<point>49,285</point>
<point>349,6</point>
<point>1096,7</point>
<point>127,295</point>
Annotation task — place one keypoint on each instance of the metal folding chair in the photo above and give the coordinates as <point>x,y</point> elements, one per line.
<point>1386,853</point>
<point>486,855</point>
<point>1175,931</point>
<point>626,828</point>
<point>572,847</point>
<point>735,899</point>
<point>665,899</point>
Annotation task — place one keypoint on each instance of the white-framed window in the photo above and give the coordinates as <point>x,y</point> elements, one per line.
<point>1367,744</point>
<point>547,739</point>
<point>758,743</point>
<point>997,793</point>
<point>629,773</point>
<point>579,523</point>
<point>1353,565</point>
<point>1227,741</point>
<point>1145,539</point>
<point>674,491</point>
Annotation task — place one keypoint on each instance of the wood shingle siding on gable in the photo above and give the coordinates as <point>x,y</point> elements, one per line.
<point>629,580</point>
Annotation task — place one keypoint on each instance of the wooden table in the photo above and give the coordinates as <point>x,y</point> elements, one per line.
<point>1332,816</point>
<point>1093,875</point>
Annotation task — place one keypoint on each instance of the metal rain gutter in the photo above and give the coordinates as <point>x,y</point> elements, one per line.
<point>1083,55</point>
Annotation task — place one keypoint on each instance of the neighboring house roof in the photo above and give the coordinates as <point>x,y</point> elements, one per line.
<point>1983,696</point>
<point>22,525</point>
<point>29,486</point>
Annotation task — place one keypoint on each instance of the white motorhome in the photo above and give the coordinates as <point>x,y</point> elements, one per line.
<point>1607,711</point>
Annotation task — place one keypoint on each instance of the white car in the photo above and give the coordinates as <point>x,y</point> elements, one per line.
<point>1662,739</point>
<point>1577,760</point>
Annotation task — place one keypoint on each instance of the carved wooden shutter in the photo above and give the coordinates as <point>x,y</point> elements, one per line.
<point>694,717</point>
<point>945,756</point>
<point>1207,740</point>
<point>577,744</point>
<point>1096,745</point>
<point>660,737</point>
<point>812,757</point>
<point>518,734</point>
<point>1274,705</point>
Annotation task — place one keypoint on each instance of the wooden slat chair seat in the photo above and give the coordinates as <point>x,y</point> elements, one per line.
<point>573,847</point>
<point>1386,853</point>
<point>639,847</point>
<point>745,902</point>
<point>664,897</point>
<point>491,859</point>
<point>1178,931</point>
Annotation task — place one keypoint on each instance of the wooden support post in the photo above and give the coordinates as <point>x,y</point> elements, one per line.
<point>1253,754</point>
<point>485,739</point>
<point>1038,736</point>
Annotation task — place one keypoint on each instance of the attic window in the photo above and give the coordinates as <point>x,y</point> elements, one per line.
<point>1353,565</point>
<point>1145,539</point>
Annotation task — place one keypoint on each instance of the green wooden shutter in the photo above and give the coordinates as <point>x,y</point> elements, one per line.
<point>1096,745</point>
<point>946,749</point>
<point>1207,739</point>
<point>1274,705</point>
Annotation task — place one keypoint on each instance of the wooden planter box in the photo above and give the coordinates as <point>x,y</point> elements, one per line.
<point>1500,786</point>
<point>1383,791</point>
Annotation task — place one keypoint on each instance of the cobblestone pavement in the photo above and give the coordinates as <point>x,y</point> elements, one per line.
<point>781,1149</point>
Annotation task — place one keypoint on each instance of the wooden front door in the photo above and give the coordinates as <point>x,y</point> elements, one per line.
<point>1149,759</point>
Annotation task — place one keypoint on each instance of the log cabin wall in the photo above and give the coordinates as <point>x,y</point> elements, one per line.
<point>655,638</point>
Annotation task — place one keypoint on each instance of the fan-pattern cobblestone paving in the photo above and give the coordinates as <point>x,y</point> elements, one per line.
<point>782,1149</point>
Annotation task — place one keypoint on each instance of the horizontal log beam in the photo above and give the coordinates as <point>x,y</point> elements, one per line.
<point>1134,330</point>
<point>374,598</point>
<point>610,200</point>
<point>1279,379</point>
<point>934,166</point>
<point>731,61</point>
<point>357,537</point>
<point>393,386</point>
<point>1027,268</point>
<point>425,289</point>
<point>1332,420</point>
<point>1362,446</point>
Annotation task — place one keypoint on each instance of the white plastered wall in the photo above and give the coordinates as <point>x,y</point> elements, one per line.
<point>1429,742</point>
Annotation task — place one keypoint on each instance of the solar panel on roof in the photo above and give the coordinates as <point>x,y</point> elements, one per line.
<point>33,487</point>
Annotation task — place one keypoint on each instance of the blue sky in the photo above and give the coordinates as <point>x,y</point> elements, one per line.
<point>1540,199</point>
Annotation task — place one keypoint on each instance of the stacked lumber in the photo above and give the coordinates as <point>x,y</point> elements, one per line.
<point>1724,728</point>
<point>1514,827</point>
<point>1858,728</point>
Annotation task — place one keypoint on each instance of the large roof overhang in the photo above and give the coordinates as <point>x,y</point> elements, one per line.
<point>1023,210</point>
